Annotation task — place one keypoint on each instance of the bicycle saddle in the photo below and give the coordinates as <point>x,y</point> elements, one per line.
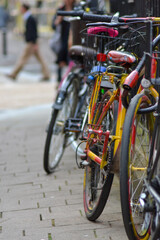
<point>121,57</point>
<point>96,30</point>
<point>78,52</point>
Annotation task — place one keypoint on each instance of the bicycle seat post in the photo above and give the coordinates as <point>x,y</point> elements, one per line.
<point>148,50</point>
<point>146,81</point>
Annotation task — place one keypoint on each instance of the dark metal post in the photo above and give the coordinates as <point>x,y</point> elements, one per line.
<point>4,41</point>
<point>4,17</point>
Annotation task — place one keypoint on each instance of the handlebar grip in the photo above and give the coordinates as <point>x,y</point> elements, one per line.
<point>131,80</point>
<point>96,17</point>
<point>70,13</point>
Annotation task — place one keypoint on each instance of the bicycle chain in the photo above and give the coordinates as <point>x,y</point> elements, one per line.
<point>109,163</point>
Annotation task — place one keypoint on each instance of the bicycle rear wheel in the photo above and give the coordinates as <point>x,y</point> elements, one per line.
<point>136,139</point>
<point>98,182</point>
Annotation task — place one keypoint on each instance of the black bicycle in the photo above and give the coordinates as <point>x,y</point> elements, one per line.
<point>67,114</point>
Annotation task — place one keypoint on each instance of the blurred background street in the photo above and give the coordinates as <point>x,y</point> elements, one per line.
<point>34,205</point>
<point>27,90</point>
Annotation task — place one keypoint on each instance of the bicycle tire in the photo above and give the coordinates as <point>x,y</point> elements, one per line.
<point>153,180</point>
<point>56,139</point>
<point>46,163</point>
<point>94,208</point>
<point>136,137</point>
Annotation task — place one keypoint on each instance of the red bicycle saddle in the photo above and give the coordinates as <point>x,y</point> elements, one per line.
<point>95,30</point>
<point>121,57</point>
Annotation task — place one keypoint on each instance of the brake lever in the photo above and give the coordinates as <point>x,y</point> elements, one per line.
<point>115,18</point>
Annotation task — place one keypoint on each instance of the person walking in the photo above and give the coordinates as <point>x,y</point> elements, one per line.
<point>64,24</point>
<point>31,48</point>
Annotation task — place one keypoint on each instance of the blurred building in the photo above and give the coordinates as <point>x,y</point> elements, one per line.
<point>141,7</point>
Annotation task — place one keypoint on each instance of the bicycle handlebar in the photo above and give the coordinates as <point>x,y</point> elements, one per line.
<point>85,16</point>
<point>104,18</point>
<point>96,17</point>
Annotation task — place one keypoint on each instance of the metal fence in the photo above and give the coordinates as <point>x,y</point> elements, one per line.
<point>141,7</point>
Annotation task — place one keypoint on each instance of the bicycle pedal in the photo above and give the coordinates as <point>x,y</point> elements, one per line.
<point>73,125</point>
<point>84,163</point>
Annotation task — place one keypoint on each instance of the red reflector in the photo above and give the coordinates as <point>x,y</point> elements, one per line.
<point>101,57</point>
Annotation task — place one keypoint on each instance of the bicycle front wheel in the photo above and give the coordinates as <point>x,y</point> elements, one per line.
<point>136,138</point>
<point>54,146</point>
<point>56,137</point>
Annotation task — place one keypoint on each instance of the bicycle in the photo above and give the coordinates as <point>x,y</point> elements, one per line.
<point>66,117</point>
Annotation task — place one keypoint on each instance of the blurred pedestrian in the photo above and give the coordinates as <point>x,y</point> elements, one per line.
<point>62,24</point>
<point>32,47</point>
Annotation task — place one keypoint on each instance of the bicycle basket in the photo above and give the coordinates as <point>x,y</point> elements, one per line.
<point>103,39</point>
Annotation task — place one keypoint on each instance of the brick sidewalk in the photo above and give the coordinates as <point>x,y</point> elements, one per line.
<point>35,206</point>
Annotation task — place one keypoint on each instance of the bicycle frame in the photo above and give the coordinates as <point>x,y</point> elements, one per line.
<point>95,131</point>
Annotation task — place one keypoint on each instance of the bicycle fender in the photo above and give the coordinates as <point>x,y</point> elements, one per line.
<point>59,100</point>
<point>63,91</point>
<point>67,82</point>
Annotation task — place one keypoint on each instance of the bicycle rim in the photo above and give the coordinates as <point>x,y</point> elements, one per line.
<point>136,139</point>
<point>57,140</point>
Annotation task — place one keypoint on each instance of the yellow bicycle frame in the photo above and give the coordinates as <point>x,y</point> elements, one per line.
<point>96,123</point>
